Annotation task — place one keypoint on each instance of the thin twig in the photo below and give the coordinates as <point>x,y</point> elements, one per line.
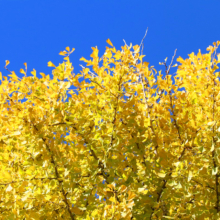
<point>10,71</point>
<point>125,42</point>
<point>142,42</point>
<point>171,63</point>
<point>93,74</point>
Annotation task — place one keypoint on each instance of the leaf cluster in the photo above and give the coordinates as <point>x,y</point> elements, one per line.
<point>118,140</point>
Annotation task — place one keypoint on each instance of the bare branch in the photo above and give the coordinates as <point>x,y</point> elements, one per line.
<point>93,74</point>
<point>142,42</point>
<point>125,42</point>
<point>171,63</point>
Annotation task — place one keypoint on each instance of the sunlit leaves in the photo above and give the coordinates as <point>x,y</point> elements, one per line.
<point>5,175</point>
<point>7,62</point>
<point>50,64</point>
<point>116,141</point>
<point>22,71</point>
<point>109,42</point>
<point>33,72</point>
<point>67,52</point>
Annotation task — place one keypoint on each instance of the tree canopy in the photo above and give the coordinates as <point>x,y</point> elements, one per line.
<point>118,140</point>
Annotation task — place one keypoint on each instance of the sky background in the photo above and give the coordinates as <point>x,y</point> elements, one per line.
<point>36,31</point>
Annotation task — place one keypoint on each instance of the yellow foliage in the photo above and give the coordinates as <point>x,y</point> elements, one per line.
<point>117,141</point>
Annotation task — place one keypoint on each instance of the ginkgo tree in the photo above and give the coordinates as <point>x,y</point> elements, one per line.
<point>118,140</point>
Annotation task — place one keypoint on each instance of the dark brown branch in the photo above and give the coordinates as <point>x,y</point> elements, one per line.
<point>214,152</point>
<point>56,172</point>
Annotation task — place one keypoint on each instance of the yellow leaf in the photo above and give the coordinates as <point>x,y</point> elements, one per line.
<point>48,197</point>
<point>141,190</point>
<point>83,59</point>
<point>72,50</point>
<point>16,133</point>
<point>131,195</point>
<point>66,173</point>
<point>211,123</point>
<point>25,65</point>
<point>33,72</point>
<point>136,48</point>
<point>215,171</point>
<point>86,70</point>
<point>22,71</point>
<point>109,42</point>
<point>141,57</point>
<point>162,175</point>
<point>111,186</point>
<point>209,48</point>
<point>117,55</point>
<point>42,74</point>
<point>5,175</point>
<point>180,59</point>
<point>213,147</point>
<point>7,62</point>
<point>77,211</point>
<point>174,174</point>
<point>123,188</point>
<point>112,199</point>
<point>33,215</point>
<point>108,54</point>
<point>63,53</point>
<point>50,64</point>
<point>190,175</point>
<point>15,211</point>
<point>9,188</point>
<point>125,177</point>
<point>68,48</point>
<point>0,75</point>
<point>66,58</point>
<point>13,75</point>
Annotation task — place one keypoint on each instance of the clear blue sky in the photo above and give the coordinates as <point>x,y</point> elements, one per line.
<point>36,31</point>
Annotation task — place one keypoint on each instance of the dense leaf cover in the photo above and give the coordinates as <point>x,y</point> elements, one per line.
<point>117,141</point>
